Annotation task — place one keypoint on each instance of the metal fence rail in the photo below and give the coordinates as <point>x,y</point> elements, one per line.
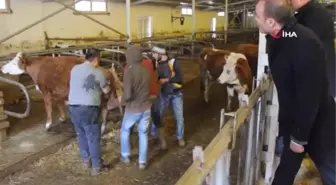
<point>212,166</point>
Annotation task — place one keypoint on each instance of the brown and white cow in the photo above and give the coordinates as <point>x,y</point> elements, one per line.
<point>230,68</point>
<point>52,75</point>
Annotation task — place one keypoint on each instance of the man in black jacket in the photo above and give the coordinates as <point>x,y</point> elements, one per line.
<point>314,16</point>
<point>306,115</point>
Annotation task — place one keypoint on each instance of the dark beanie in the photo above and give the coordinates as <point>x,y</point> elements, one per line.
<point>133,54</point>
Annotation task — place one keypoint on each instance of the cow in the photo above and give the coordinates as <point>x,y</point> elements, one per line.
<point>52,75</point>
<point>229,68</point>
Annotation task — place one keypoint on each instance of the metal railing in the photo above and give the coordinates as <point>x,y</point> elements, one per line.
<point>256,125</point>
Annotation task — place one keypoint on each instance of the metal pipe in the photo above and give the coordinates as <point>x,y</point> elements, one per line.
<point>25,92</point>
<point>220,164</point>
<point>193,22</point>
<point>92,19</point>
<point>193,19</point>
<point>128,20</point>
<point>86,39</point>
<point>226,16</point>
<point>248,169</point>
<point>35,23</point>
<point>253,179</point>
<point>244,16</point>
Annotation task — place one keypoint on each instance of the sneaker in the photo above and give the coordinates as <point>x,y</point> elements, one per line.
<point>86,165</point>
<point>142,166</point>
<point>181,142</point>
<point>95,172</point>
<point>125,160</point>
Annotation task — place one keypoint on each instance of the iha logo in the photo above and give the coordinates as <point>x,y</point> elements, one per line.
<point>286,34</point>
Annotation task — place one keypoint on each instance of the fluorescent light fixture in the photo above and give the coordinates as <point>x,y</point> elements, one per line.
<point>221,14</point>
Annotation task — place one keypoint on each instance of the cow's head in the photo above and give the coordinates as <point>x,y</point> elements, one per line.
<point>233,68</point>
<point>213,61</point>
<point>14,66</point>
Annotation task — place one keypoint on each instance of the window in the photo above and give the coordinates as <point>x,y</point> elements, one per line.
<point>145,26</point>
<point>95,6</point>
<point>220,14</point>
<point>213,26</point>
<point>4,6</point>
<point>186,11</point>
<point>250,14</point>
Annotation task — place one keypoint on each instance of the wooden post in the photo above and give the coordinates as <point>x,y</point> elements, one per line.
<point>4,124</point>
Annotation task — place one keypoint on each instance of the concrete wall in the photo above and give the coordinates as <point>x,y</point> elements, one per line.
<point>67,24</point>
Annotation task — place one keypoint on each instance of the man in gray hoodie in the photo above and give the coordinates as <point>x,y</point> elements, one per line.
<point>136,98</point>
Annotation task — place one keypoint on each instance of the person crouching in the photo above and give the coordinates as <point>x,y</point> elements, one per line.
<point>136,98</point>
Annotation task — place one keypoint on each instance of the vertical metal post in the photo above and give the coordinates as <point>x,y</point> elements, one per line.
<point>128,20</point>
<point>226,16</point>
<point>193,3</point>
<point>248,168</point>
<point>220,164</point>
<point>244,16</point>
<point>193,22</point>
<point>259,130</point>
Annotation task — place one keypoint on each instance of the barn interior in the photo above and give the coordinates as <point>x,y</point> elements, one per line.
<point>30,155</point>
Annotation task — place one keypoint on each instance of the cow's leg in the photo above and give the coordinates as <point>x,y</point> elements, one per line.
<point>207,84</point>
<point>60,107</point>
<point>206,89</point>
<point>104,113</point>
<point>48,107</point>
<point>230,93</point>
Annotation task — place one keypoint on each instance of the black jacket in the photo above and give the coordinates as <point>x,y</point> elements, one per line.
<point>164,70</point>
<point>314,16</point>
<point>297,65</point>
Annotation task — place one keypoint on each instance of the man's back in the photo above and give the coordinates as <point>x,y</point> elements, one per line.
<point>318,19</point>
<point>86,83</point>
<point>147,63</point>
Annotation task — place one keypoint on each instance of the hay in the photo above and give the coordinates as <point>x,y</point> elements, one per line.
<point>308,174</point>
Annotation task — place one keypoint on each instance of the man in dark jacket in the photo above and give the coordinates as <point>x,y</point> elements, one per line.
<point>170,78</point>
<point>306,115</point>
<point>314,16</point>
<point>136,98</point>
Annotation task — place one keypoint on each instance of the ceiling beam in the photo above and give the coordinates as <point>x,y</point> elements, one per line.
<point>140,2</point>
<point>217,4</point>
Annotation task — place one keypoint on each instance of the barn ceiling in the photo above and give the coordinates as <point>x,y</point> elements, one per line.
<point>203,5</point>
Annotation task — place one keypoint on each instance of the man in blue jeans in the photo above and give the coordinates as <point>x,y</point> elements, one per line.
<point>136,98</point>
<point>86,86</point>
<point>170,77</point>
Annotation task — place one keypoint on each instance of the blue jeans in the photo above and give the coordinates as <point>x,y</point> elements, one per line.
<point>129,119</point>
<point>176,101</point>
<point>156,117</point>
<point>87,126</point>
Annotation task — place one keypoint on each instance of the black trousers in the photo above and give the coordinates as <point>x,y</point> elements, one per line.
<point>290,164</point>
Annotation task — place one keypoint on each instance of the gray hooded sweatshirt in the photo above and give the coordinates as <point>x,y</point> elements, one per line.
<point>136,82</point>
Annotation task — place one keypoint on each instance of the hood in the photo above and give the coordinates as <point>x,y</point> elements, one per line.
<point>133,55</point>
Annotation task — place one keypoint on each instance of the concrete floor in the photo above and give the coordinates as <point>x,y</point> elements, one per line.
<point>63,167</point>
